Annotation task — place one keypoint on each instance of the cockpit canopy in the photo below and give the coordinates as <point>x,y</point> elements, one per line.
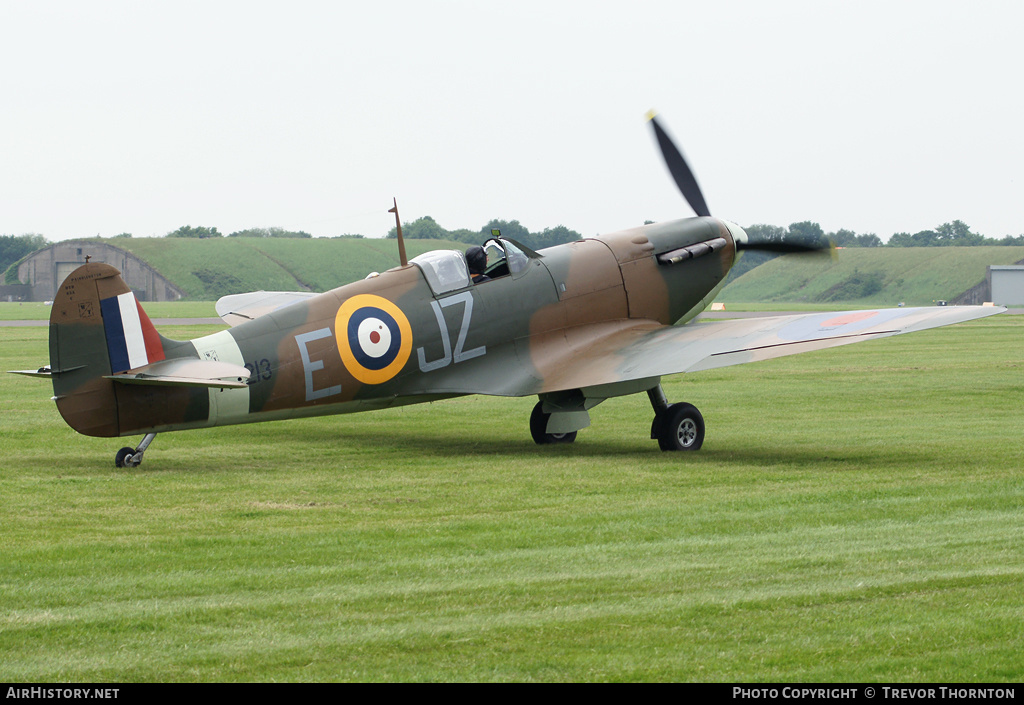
<point>446,270</point>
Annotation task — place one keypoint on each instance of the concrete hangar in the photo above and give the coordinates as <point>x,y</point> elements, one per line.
<point>1007,284</point>
<point>43,271</point>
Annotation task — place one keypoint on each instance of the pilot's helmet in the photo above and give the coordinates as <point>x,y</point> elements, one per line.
<point>476,258</point>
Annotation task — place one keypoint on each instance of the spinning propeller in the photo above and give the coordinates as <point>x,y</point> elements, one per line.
<point>686,182</point>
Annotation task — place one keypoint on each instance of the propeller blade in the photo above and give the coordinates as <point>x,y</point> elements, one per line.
<point>807,249</point>
<point>680,170</point>
<point>783,248</point>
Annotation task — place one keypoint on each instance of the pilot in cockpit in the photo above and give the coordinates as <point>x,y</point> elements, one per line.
<point>476,258</point>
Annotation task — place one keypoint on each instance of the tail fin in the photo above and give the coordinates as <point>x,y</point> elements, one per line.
<point>97,328</point>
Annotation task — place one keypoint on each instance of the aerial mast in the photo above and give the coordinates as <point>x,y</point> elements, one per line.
<point>398,225</point>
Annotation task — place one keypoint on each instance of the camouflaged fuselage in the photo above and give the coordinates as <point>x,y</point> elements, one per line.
<point>390,339</point>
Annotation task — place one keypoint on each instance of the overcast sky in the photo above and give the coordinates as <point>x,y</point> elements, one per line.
<point>141,117</point>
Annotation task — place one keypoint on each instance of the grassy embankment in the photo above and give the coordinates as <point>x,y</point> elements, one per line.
<point>208,269</point>
<point>917,276</point>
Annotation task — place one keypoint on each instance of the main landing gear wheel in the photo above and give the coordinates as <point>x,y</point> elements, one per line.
<point>539,425</point>
<point>679,427</point>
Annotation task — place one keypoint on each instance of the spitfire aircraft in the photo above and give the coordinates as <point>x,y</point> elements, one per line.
<point>573,324</point>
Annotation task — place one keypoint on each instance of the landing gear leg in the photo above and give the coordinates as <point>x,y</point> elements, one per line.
<point>132,457</point>
<point>675,426</point>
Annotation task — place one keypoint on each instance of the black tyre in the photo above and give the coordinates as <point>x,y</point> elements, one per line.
<point>122,456</point>
<point>539,424</point>
<point>680,427</point>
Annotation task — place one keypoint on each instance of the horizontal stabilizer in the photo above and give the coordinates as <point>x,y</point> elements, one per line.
<point>43,372</point>
<point>239,308</point>
<point>186,372</point>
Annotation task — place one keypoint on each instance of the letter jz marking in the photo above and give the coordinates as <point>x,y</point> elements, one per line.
<point>460,355</point>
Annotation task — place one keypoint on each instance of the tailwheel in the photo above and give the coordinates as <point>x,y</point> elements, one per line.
<point>679,427</point>
<point>538,428</point>
<point>132,457</point>
<point>124,458</point>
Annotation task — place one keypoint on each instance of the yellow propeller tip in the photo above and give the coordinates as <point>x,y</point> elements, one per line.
<point>651,114</point>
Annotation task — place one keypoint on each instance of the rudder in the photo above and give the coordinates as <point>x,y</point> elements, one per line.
<point>97,328</point>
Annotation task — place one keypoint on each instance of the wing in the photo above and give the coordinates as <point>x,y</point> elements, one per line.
<point>627,351</point>
<point>239,308</point>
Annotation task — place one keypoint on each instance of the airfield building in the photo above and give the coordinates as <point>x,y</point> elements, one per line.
<point>1003,285</point>
<point>43,271</point>
<point>1007,282</point>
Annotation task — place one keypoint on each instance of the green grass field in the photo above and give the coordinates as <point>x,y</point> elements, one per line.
<point>856,514</point>
<point>39,311</point>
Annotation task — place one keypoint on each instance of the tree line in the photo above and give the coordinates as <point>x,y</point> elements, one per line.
<point>955,234</point>
<point>202,232</point>
<point>426,228</point>
<point>15,247</point>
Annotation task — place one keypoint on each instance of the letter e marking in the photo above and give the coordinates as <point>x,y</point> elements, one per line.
<point>311,366</point>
